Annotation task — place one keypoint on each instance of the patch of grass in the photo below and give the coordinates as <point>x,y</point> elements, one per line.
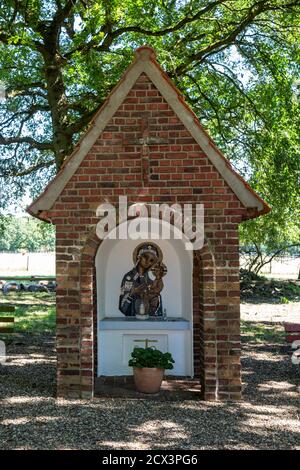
<point>35,312</point>
<point>27,298</point>
<point>35,319</point>
<point>262,332</point>
<point>293,289</point>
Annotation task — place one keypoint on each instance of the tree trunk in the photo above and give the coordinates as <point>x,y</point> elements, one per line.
<point>57,99</point>
<point>56,95</point>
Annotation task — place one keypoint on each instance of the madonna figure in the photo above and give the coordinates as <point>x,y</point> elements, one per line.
<point>141,287</point>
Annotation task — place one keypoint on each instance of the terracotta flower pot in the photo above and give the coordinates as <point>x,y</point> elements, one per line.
<point>148,379</point>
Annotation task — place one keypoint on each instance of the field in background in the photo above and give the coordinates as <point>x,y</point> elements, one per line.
<point>262,320</point>
<point>42,264</point>
<point>286,267</point>
<point>33,264</point>
<point>264,305</point>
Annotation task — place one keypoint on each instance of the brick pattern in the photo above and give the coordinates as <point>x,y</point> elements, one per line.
<point>179,172</point>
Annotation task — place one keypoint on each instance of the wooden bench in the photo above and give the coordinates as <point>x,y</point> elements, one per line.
<point>292,332</point>
<point>7,323</point>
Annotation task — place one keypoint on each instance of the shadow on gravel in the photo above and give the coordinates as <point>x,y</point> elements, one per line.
<point>268,418</point>
<point>269,374</point>
<point>30,368</point>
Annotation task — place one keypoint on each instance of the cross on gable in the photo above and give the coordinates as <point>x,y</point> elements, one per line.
<point>145,141</point>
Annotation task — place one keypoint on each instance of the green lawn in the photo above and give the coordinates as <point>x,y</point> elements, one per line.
<point>35,312</point>
<point>262,332</point>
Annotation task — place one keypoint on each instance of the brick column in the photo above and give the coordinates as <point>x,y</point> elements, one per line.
<point>68,317</point>
<point>228,316</point>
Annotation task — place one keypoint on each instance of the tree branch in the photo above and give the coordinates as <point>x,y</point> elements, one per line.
<point>26,140</point>
<point>111,35</point>
<point>211,103</point>
<point>234,82</point>
<point>29,170</point>
<point>27,86</point>
<point>254,11</point>
<point>82,122</point>
<point>274,255</point>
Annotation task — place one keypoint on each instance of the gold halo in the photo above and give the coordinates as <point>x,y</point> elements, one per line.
<point>136,250</point>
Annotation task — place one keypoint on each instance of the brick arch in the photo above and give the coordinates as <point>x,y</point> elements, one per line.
<point>88,314</point>
<point>204,303</point>
<point>205,322</point>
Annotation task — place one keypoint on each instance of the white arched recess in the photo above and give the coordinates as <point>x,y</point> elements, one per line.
<point>113,260</point>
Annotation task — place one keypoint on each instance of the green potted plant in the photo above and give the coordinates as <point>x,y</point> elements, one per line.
<point>149,365</point>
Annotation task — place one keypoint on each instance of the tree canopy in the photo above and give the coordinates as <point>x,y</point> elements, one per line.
<point>25,233</point>
<point>236,62</point>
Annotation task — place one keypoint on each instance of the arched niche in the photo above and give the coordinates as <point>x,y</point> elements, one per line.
<point>118,335</point>
<point>114,259</point>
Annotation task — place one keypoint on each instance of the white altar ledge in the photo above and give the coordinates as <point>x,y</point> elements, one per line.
<point>131,323</point>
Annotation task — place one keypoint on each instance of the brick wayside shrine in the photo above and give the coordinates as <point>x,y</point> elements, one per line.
<point>147,144</point>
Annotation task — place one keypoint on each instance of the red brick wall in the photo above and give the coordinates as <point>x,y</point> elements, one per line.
<point>180,172</point>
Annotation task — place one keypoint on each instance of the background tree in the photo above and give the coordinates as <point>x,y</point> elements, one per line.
<point>236,61</point>
<point>25,233</point>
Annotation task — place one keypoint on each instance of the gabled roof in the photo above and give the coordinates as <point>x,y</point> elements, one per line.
<point>145,62</point>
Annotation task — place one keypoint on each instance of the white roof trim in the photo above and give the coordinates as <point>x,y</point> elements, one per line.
<point>143,64</point>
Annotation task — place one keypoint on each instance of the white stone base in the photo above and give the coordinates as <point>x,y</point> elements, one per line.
<point>117,340</point>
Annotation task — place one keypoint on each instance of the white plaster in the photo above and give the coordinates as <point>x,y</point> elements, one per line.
<point>115,348</point>
<point>132,323</point>
<point>113,260</point>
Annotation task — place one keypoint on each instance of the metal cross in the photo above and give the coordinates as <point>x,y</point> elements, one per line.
<point>145,141</point>
<point>146,341</point>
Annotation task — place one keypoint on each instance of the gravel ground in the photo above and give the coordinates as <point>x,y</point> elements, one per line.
<point>267,418</point>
